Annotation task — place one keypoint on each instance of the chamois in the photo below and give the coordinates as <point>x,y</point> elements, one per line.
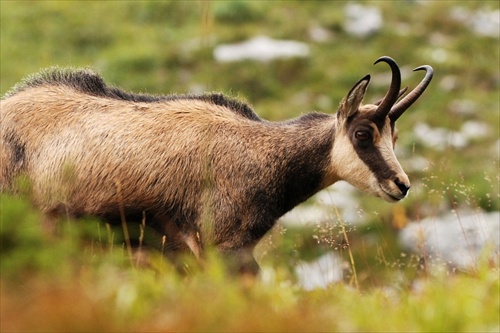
<point>204,170</point>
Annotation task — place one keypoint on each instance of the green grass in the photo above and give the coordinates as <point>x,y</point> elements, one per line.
<point>78,281</point>
<point>82,279</point>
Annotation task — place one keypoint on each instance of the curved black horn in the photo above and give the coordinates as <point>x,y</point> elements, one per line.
<point>393,94</point>
<point>401,93</point>
<point>398,109</point>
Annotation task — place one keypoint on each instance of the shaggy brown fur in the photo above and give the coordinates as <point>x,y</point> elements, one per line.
<point>205,170</point>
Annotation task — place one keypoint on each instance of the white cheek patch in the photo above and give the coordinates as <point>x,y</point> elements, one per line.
<point>349,167</point>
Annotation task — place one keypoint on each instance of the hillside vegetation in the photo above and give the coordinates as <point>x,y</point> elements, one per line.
<point>82,279</point>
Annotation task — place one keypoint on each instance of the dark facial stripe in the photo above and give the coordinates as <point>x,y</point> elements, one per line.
<point>371,156</point>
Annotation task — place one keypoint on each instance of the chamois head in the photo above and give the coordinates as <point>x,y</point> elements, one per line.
<point>364,142</point>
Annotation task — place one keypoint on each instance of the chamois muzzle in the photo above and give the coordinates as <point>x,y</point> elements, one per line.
<point>395,189</point>
<point>403,187</point>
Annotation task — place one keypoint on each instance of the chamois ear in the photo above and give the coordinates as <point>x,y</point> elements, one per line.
<point>351,103</point>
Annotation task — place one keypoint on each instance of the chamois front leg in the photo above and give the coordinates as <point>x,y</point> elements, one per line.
<point>241,261</point>
<point>193,241</point>
<point>178,240</point>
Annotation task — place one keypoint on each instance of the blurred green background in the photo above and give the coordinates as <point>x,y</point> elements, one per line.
<point>167,47</point>
<point>448,142</point>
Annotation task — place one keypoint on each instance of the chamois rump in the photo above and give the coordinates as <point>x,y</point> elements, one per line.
<point>204,170</point>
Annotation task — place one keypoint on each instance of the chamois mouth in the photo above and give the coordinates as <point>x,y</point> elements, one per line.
<point>387,196</point>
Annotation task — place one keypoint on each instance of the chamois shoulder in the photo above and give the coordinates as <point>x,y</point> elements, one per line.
<point>88,82</point>
<point>309,119</point>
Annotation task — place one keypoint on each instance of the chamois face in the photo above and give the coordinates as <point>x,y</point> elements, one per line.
<point>364,148</point>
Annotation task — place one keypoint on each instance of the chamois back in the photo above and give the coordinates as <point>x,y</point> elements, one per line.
<point>201,169</point>
<point>88,82</point>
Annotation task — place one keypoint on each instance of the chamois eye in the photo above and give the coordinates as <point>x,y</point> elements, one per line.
<point>362,135</point>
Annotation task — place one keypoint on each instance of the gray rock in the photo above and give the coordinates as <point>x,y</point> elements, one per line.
<point>362,21</point>
<point>459,239</point>
<point>261,49</point>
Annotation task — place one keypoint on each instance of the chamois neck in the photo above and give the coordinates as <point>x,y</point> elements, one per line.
<point>305,146</point>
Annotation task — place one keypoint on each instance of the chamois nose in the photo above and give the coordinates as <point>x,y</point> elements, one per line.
<point>404,188</point>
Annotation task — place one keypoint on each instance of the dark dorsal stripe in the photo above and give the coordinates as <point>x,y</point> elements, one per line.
<point>88,82</point>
